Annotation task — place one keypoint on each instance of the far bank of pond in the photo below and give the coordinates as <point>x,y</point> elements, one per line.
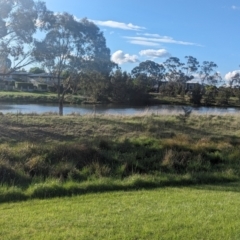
<point>110,109</point>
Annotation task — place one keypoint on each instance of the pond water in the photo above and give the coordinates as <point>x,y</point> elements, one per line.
<point>109,109</point>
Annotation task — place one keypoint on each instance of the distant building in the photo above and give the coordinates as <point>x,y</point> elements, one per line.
<point>191,84</point>
<point>46,78</point>
<point>7,81</point>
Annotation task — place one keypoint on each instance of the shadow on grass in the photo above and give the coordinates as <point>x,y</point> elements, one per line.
<point>20,132</point>
<point>53,190</point>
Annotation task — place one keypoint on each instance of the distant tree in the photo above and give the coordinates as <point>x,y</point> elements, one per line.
<point>73,46</point>
<point>208,73</point>
<point>235,79</point>
<point>94,85</point>
<point>36,70</point>
<point>236,92</point>
<point>170,89</point>
<point>153,72</point>
<point>196,94</point>
<point>120,83</point>
<point>175,75</point>
<point>191,66</point>
<point>210,94</point>
<point>174,69</point>
<point>224,94</point>
<point>19,20</point>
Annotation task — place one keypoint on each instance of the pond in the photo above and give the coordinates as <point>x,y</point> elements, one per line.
<point>110,109</point>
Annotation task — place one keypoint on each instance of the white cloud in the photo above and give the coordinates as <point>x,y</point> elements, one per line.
<point>160,53</point>
<point>230,75</point>
<point>144,43</point>
<point>119,57</point>
<point>120,25</point>
<point>161,39</point>
<point>149,34</point>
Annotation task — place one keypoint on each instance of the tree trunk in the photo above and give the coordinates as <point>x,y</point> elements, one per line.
<point>60,106</point>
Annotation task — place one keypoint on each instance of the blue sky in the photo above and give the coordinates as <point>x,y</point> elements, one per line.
<point>138,30</point>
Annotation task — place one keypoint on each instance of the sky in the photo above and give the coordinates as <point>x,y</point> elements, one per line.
<point>140,30</point>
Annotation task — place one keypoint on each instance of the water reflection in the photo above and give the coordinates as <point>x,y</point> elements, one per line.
<point>108,109</point>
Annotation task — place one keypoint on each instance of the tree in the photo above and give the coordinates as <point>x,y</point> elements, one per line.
<point>175,75</point>
<point>196,94</point>
<point>152,70</point>
<point>120,86</point>
<point>208,73</point>
<point>235,79</point>
<point>192,65</point>
<point>210,94</point>
<point>95,85</point>
<point>73,46</point>
<point>224,94</point>
<point>174,69</point>
<point>36,70</point>
<point>19,20</point>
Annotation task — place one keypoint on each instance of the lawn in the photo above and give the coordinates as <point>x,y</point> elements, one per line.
<point>119,177</point>
<point>199,212</point>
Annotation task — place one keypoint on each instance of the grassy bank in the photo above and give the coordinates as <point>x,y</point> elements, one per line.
<point>36,97</point>
<point>47,156</point>
<point>154,98</point>
<point>197,212</point>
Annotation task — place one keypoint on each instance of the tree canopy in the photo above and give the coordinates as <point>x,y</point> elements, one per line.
<point>73,46</point>
<point>19,20</point>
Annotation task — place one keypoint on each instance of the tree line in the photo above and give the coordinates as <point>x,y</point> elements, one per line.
<point>75,52</point>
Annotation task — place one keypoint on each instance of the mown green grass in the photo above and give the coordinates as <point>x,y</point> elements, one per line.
<point>206,212</point>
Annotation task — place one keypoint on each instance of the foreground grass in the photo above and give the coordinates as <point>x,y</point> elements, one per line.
<point>44,156</point>
<point>141,177</point>
<point>206,212</point>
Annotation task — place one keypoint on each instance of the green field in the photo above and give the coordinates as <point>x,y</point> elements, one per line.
<point>199,212</point>
<point>44,156</point>
<point>148,176</point>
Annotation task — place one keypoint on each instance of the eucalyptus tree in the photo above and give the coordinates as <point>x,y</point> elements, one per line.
<point>175,75</point>
<point>208,73</point>
<point>174,69</point>
<point>235,78</point>
<point>19,20</point>
<point>191,66</point>
<point>153,71</point>
<point>72,45</point>
<point>36,70</point>
<point>121,84</point>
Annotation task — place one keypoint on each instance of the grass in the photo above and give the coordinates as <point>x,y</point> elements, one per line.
<point>198,212</point>
<point>155,98</point>
<point>36,97</point>
<point>147,176</point>
<point>164,150</point>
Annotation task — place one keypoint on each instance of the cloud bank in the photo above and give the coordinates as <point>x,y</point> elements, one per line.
<point>119,25</point>
<point>160,53</point>
<point>230,75</point>
<point>144,43</point>
<point>159,39</point>
<point>120,57</point>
